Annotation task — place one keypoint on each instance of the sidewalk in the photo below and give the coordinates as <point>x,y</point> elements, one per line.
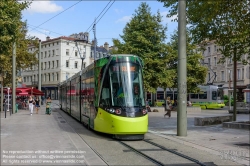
<point>43,139</point>
<point>229,144</point>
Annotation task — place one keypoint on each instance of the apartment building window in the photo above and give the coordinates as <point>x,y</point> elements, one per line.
<point>222,76</point>
<point>49,65</point>
<point>215,48</point>
<point>41,55</point>
<point>84,65</point>
<point>76,53</point>
<point>67,63</point>
<point>44,76</point>
<point>215,61</point>
<point>238,74</point>
<point>41,77</point>
<point>243,73</point>
<point>67,52</point>
<point>208,49</point>
<point>57,52</point>
<point>208,61</point>
<point>67,43</point>
<point>53,44</point>
<point>53,52</point>
<point>91,54</point>
<point>41,66</point>
<point>49,77</point>
<point>53,77</point>
<point>53,63</point>
<point>49,53</point>
<point>230,75</point>
<point>45,64</point>
<point>208,76</point>
<point>76,64</point>
<point>45,54</point>
<point>230,61</point>
<point>49,45</point>
<point>57,63</point>
<point>57,43</point>
<point>57,76</point>
<point>24,79</point>
<point>215,75</point>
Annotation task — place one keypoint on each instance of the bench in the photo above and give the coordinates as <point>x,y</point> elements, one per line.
<point>204,121</point>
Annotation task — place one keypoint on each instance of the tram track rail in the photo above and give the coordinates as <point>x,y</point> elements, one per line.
<point>163,148</point>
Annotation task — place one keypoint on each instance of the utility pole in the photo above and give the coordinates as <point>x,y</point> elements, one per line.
<point>1,79</point>
<point>14,78</point>
<point>235,84</point>
<point>182,71</point>
<point>39,69</point>
<point>95,42</point>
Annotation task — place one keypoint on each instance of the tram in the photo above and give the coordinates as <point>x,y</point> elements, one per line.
<point>108,97</point>
<point>210,96</point>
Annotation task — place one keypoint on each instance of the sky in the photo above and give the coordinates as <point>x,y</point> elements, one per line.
<point>63,18</point>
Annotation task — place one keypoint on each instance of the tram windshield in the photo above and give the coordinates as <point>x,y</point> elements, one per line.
<point>126,85</point>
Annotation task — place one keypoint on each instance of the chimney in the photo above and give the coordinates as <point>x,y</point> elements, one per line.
<point>106,46</point>
<point>47,38</point>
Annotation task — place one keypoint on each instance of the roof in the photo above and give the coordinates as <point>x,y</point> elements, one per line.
<point>99,49</point>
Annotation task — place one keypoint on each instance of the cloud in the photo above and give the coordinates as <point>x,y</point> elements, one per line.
<point>124,19</point>
<point>166,19</point>
<point>43,7</point>
<point>41,36</point>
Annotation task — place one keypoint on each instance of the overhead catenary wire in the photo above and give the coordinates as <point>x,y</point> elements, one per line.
<point>56,15</point>
<point>98,16</point>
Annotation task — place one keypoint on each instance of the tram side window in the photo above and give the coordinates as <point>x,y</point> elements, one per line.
<point>105,95</point>
<point>194,96</point>
<point>214,95</point>
<point>203,95</point>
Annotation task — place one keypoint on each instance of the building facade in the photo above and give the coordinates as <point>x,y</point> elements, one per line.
<point>222,74</point>
<point>61,58</point>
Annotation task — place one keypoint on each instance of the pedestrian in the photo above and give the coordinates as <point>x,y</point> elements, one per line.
<point>168,108</point>
<point>42,100</point>
<point>37,104</point>
<point>148,106</point>
<point>48,105</point>
<point>31,104</point>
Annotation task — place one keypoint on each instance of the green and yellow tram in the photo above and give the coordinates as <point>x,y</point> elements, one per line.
<point>108,97</point>
<point>210,96</point>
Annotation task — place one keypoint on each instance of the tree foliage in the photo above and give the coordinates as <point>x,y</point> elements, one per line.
<point>196,73</point>
<point>225,21</point>
<point>144,36</point>
<point>14,30</point>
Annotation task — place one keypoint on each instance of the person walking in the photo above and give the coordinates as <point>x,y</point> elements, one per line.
<point>168,108</point>
<point>31,104</point>
<point>37,104</point>
<point>48,105</point>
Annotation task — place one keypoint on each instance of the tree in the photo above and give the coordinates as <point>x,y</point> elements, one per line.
<point>226,22</point>
<point>196,73</point>
<point>13,29</point>
<point>144,36</point>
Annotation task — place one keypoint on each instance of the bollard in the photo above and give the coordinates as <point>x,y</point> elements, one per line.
<point>16,108</point>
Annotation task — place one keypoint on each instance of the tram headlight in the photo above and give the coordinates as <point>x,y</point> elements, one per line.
<point>144,111</point>
<point>112,110</point>
<point>118,111</point>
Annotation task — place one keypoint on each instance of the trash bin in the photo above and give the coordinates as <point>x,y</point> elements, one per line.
<point>16,108</point>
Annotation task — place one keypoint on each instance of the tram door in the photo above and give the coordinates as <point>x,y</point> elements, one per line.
<point>91,103</point>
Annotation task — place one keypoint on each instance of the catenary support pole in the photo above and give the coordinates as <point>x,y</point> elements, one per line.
<point>235,85</point>
<point>39,69</point>
<point>14,78</point>
<point>2,96</point>
<point>182,71</point>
